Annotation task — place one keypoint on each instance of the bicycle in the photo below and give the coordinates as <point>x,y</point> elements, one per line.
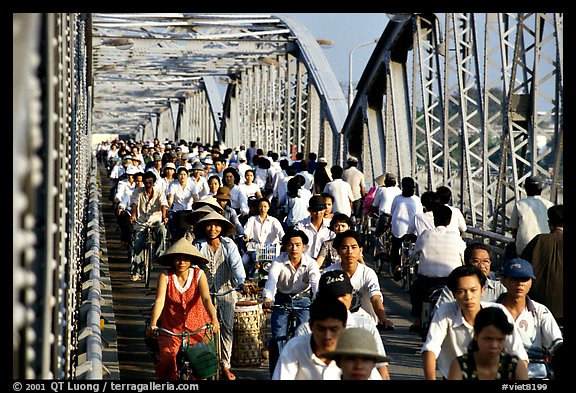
<point>148,250</point>
<point>265,253</point>
<point>277,343</point>
<point>195,361</point>
<point>382,252</point>
<point>408,265</point>
<point>214,296</point>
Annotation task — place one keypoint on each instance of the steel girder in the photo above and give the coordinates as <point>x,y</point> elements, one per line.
<point>479,110</point>
<point>278,87</point>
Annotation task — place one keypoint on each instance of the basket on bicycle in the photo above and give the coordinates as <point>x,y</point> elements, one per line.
<point>266,252</point>
<point>202,356</point>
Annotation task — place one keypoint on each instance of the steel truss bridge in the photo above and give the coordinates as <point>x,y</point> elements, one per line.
<point>472,101</point>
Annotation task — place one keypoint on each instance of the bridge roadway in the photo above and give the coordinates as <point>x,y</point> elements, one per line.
<point>131,303</point>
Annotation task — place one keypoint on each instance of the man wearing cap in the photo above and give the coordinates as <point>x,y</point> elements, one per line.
<point>316,227</point>
<point>242,166</point>
<point>538,328</point>
<point>353,176</point>
<point>155,165</point>
<point>148,207</point>
<point>292,280</point>
<point>529,216</point>
<point>452,326</point>
<point>224,271</point>
<point>336,284</point>
<point>198,178</point>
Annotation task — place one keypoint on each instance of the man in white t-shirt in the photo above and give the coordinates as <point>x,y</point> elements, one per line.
<point>383,201</point>
<point>341,191</point>
<point>529,216</point>
<point>353,176</point>
<point>457,223</point>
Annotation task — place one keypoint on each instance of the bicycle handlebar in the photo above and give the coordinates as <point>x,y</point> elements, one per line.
<point>288,307</point>
<point>226,292</point>
<point>185,333</point>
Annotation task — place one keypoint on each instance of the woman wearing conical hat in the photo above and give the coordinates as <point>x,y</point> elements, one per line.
<point>224,271</point>
<point>182,303</point>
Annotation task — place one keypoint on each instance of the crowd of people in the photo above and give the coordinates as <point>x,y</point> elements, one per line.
<point>211,207</point>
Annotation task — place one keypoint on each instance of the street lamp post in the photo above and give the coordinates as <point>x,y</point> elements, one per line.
<point>350,95</point>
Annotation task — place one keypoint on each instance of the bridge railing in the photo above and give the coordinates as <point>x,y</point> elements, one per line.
<point>55,213</point>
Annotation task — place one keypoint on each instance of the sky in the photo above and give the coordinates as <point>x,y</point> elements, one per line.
<point>346,30</point>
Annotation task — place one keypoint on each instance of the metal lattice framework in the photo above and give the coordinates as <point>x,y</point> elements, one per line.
<point>471,101</point>
<point>162,76</point>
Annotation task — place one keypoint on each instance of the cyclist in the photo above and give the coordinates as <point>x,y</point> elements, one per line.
<point>149,207</point>
<point>224,271</point>
<point>439,251</point>
<point>404,207</point>
<point>293,281</point>
<point>383,201</point>
<point>182,303</point>
<point>303,357</point>
<point>538,328</point>
<point>336,284</point>
<point>315,226</point>
<point>261,228</point>
<point>367,294</point>
<point>328,254</point>
<point>181,194</point>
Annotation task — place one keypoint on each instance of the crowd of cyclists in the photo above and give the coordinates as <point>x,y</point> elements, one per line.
<point>225,203</point>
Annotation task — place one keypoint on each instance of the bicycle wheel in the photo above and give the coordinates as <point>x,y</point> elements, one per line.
<point>148,262</point>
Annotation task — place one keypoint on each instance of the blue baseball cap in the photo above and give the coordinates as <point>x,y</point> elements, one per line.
<point>518,267</point>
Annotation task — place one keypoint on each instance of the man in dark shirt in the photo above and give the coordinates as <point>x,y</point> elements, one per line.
<point>546,253</point>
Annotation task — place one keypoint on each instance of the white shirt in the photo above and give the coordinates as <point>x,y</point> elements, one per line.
<point>315,237</point>
<point>457,222</point>
<point>492,290</point>
<point>449,335</point>
<point>249,190</point>
<point>420,222</point>
<point>268,231</point>
<point>440,251</point>
<point>365,284</point>
<point>402,211</point>
<point>308,180</point>
<point>183,195</point>
<point>298,362</point>
<point>201,186</point>
<point>537,326</point>
<point>242,168</point>
<point>355,178</point>
<point>530,217</point>
<point>342,193</point>
<point>282,276</point>
<point>359,319</point>
<point>238,199</point>
<point>384,196</point>
<point>296,208</point>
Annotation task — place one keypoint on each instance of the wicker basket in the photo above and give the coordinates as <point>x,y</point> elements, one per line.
<point>249,335</point>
